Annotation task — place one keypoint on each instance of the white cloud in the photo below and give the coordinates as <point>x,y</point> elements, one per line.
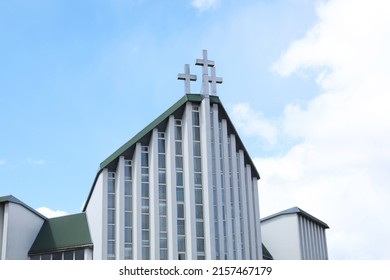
<point>2,162</point>
<point>49,213</point>
<point>203,5</point>
<point>339,170</point>
<point>253,123</point>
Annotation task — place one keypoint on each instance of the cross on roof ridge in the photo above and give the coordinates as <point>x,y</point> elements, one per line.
<point>214,80</point>
<point>187,77</point>
<point>206,78</point>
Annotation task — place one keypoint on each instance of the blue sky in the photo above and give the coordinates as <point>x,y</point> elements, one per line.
<point>304,82</point>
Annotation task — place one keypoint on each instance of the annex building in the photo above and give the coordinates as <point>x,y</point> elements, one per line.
<point>184,187</point>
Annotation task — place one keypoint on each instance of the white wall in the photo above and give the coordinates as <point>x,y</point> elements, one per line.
<point>95,216</point>
<point>1,229</point>
<point>281,237</point>
<point>21,230</point>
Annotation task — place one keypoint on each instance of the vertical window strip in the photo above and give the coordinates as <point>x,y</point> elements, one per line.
<point>128,211</point>
<point>240,207</point>
<point>181,239</point>
<point>214,185</point>
<point>223,189</point>
<point>145,211</point>
<point>162,197</point>
<point>198,184</point>
<point>111,216</point>
<point>232,199</point>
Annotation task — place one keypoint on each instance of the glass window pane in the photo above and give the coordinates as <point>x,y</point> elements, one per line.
<point>128,219</point>
<point>111,186</point>
<point>179,162</point>
<point>68,255</point>
<point>196,133</point>
<point>145,221</point>
<point>163,225</point>
<point>128,188</point>
<point>57,256</point>
<point>161,176</point>
<point>145,189</point>
<point>200,244</point>
<point>163,208</point>
<point>161,161</point>
<point>178,133</point>
<point>161,145</point>
<point>128,235</point>
<point>46,257</point>
<point>198,196</point>
<point>128,252</point>
<point>79,254</point>
<point>195,118</point>
<point>179,149</point>
<point>199,211</point>
<point>162,192</point>
<point>180,227</point>
<point>199,229</point>
<point>111,201</point>
<point>128,203</point>
<point>163,254</point>
<point>197,149</point>
<point>144,159</point>
<point>145,238</point>
<point>145,176</point>
<point>128,172</point>
<point>111,232</point>
<point>180,211</point>
<point>198,178</point>
<point>181,244</point>
<point>179,194</point>
<point>163,243</point>
<point>145,253</point>
<point>111,216</point>
<point>145,205</point>
<point>197,164</point>
<point>179,178</point>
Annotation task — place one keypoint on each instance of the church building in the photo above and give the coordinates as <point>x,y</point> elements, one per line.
<point>183,188</point>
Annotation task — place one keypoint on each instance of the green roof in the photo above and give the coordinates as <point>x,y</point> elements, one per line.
<point>62,233</point>
<point>298,211</point>
<point>175,109</point>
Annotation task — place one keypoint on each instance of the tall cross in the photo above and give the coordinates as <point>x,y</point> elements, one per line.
<point>205,63</point>
<point>214,80</point>
<point>187,77</point>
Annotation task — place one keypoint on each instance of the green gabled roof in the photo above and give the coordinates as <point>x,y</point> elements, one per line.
<point>11,198</point>
<point>62,233</point>
<point>298,211</point>
<point>175,109</point>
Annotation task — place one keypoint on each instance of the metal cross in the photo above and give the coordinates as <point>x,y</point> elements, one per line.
<point>214,80</point>
<point>187,77</point>
<point>205,63</point>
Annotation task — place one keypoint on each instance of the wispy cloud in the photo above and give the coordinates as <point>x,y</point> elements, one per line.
<point>2,162</point>
<point>253,123</point>
<point>203,5</point>
<point>339,170</point>
<point>49,213</point>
